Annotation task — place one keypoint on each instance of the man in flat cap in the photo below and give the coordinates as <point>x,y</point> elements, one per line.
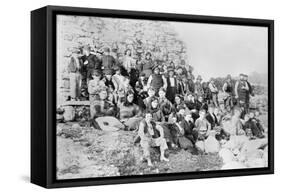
<point>228,89</point>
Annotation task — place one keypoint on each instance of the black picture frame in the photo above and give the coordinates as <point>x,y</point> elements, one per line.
<point>43,95</point>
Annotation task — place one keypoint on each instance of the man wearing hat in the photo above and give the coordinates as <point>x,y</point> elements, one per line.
<point>214,91</point>
<point>172,85</point>
<point>108,61</point>
<point>228,90</point>
<point>198,89</point>
<point>90,61</point>
<point>156,80</point>
<point>249,92</point>
<point>241,91</point>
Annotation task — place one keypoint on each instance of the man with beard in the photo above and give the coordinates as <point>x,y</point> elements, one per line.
<point>241,92</point>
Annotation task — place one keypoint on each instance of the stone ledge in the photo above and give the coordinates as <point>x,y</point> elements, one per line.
<point>76,103</point>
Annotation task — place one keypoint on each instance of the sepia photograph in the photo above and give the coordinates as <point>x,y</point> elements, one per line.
<point>142,97</point>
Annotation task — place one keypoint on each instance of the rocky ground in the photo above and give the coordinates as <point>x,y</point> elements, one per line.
<point>85,152</point>
<point>92,153</point>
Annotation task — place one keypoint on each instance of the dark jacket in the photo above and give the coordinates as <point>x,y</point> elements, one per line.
<point>93,63</point>
<point>108,62</point>
<point>212,121</point>
<point>255,127</point>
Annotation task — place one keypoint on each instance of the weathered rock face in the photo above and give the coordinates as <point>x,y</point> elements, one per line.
<point>212,145</point>
<point>240,152</point>
<point>85,153</point>
<point>140,36</point>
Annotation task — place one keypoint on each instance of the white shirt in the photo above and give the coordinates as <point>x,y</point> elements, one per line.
<point>172,81</point>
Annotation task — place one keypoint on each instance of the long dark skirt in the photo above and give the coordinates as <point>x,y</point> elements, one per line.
<point>171,93</point>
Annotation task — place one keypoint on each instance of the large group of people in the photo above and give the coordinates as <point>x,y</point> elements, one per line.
<point>160,99</point>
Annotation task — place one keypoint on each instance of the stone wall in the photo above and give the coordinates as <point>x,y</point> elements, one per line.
<point>73,32</point>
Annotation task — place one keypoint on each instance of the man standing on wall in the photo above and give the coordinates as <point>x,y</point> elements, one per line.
<point>74,76</point>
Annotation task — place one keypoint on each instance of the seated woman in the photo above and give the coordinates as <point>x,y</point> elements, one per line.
<point>155,110</point>
<point>104,114</point>
<point>129,113</point>
<point>151,135</point>
<point>188,126</point>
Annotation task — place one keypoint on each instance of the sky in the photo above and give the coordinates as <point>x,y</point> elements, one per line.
<point>216,50</point>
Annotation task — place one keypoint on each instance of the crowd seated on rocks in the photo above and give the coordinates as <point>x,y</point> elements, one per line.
<point>168,107</point>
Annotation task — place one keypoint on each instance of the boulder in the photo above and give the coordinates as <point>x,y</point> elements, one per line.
<point>257,163</point>
<point>69,113</point>
<point>253,145</point>
<point>212,145</point>
<point>236,142</point>
<point>233,165</point>
<point>200,145</point>
<point>226,155</point>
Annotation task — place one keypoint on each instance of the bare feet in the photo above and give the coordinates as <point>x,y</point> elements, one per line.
<point>164,159</point>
